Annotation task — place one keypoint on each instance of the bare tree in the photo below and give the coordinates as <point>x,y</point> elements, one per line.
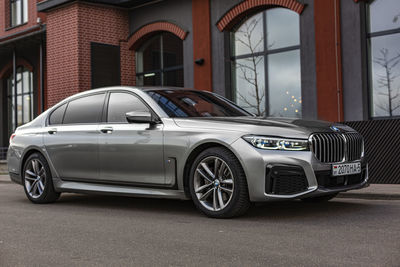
<point>387,81</point>
<point>249,68</point>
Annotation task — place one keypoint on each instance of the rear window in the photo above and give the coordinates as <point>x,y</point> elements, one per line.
<point>87,109</point>
<point>57,115</point>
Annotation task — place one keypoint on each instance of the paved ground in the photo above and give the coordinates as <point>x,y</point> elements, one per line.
<point>102,230</point>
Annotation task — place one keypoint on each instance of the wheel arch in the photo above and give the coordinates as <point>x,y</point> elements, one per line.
<point>193,155</point>
<point>27,154</point>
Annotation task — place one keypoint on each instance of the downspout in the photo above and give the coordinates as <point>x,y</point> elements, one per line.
<point>41,75</point>
<point>15,87</point>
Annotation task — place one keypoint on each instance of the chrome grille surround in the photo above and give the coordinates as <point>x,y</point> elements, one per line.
<point>337,147</point>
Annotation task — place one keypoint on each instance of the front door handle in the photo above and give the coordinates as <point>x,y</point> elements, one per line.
<point>52,131</point>
<point>107,130</point>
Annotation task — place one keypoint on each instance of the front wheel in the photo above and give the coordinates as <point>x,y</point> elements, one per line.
<point>218,184</point>
<point>37,180</point>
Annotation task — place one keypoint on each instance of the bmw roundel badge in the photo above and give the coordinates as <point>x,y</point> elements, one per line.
<point>335,129</point>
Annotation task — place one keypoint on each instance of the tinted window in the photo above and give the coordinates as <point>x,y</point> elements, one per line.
<point>85,110</point>
<point>122,103</point>
<point>184,103</point>
<point>57,115</point>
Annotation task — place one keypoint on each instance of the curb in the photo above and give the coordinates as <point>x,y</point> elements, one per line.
<point>378,196</point>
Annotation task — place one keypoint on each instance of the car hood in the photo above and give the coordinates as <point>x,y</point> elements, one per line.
<point>287,127</point>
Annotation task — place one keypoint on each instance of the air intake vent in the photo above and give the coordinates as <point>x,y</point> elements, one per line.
<point>336,147</point>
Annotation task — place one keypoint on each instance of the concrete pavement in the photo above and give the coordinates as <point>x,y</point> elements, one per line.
<point>374,191</point>
<point>89,230</point>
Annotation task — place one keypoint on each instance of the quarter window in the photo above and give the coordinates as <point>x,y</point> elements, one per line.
<point>19,12</point>
<point>57,115</point>
<point>266,64</point>
<point>384,57</point>
<point>122,103</point>
<point>85,110</point>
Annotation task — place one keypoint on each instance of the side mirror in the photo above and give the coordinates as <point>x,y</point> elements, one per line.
<point>139,117</point>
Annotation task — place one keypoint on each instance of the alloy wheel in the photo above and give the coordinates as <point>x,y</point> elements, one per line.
<point>35,178</point>
<point>213,183</point>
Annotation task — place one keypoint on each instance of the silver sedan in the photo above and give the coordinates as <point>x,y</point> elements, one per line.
<point>185,144</point>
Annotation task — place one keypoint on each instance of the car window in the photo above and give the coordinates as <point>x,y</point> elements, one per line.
<point>56,117</point>
<point>188,103</point>
<point>122,103</point>
<point>85,110</point>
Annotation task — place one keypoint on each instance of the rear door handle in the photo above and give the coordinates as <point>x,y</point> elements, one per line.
<point>52,131</point>
<point>107,130</point>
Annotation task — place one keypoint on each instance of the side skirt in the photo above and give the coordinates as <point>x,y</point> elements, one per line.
<point>94,188</point>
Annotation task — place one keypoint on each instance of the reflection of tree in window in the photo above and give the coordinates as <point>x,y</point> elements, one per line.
<point>384,42</point>
<point>266,63</point>
<point>159,61</point>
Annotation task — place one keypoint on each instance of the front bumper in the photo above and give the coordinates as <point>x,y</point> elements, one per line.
<point>258,163</point>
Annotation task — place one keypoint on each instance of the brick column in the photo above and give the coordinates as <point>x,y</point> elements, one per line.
<point>202,44</point>
<point>328,60</point>
<point>70,30</point>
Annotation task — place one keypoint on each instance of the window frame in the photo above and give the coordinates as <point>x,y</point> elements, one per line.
<point>14,95</point>
<point>67,102</point>
<point>20,11</point>
<point>161,70</point>
<point>368,38</point>
<point>105,117</point>
<point>265,53</point>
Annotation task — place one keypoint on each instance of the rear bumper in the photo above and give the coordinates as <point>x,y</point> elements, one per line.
<point>16,178</point>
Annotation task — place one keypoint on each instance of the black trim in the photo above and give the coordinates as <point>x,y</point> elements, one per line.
<point>383,33</point>
<point>268,52</point>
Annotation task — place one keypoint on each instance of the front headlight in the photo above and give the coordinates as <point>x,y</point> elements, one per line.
<point>277,143</point>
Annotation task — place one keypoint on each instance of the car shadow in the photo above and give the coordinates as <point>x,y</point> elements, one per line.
<point>277,210</point>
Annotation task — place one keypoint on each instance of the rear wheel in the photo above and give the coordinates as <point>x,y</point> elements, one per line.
<point>320,198</point>
<point>218,184</point>
<point>37,180</point>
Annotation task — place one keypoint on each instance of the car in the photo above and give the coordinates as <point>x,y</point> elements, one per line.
<point>182,144</point>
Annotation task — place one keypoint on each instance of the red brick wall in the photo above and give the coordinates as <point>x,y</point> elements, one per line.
<point>70,30</point>
<point>62,53</point>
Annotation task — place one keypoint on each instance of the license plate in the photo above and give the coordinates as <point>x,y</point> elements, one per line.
<point>346,169</point>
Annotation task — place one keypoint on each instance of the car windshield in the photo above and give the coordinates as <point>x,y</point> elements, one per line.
<point>190,103</point>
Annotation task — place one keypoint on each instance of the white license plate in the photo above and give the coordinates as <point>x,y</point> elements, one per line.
<point>346,169</point>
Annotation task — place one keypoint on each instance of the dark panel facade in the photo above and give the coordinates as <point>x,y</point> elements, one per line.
<point>105,64</point>
<point>381,148</point>
<point>354,61</point>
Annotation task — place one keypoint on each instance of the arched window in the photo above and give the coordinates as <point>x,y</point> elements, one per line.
<point>20,99</point>
<point>266,63</point>
<point>384,57</point>
<point>159,61</point>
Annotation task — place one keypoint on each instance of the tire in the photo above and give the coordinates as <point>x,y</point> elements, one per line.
<point>37,180</point>
<point>320,199</point>
<point>220,192</point>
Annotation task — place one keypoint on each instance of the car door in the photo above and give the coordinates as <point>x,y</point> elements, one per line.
<point>72,136</point>
<point>130,152</point>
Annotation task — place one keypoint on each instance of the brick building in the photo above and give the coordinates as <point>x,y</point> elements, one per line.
<point>334,60</point>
